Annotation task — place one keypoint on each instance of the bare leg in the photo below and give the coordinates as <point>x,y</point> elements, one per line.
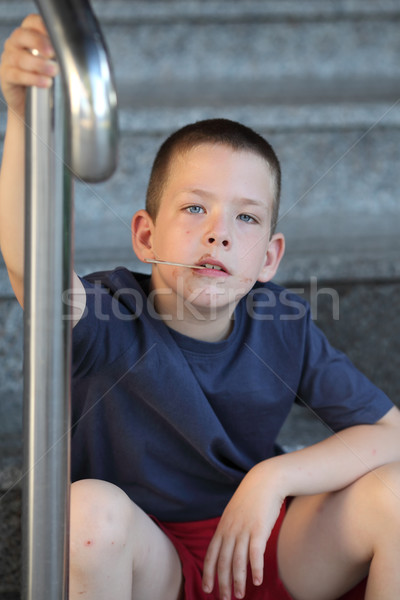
<point>329,542</point>
<point>116,549</point>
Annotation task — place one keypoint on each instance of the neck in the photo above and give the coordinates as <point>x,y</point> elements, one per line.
<point>207,330</point>
<point>206,324</point>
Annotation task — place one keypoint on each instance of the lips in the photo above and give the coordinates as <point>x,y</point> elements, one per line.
<point>212,265</point>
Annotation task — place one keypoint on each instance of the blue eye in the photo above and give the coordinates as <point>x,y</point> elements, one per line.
<point>195,210</point>
<point>247,218</point>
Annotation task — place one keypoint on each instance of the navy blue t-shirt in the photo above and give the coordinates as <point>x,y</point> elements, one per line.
<point>177,422</point>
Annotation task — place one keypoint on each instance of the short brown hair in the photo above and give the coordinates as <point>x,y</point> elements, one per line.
<point>211,131</point>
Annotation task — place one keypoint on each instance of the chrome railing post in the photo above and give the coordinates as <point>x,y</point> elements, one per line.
<point>46,350</point>
<point>71,131</point>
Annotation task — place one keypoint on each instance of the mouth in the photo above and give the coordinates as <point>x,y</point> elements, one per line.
<point>209,264</point>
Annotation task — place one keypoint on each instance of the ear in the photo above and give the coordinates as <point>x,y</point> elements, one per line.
<point>142,227</point>
<point>275,252</point>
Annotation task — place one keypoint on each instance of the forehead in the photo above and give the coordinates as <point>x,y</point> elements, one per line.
<point>219,166</point>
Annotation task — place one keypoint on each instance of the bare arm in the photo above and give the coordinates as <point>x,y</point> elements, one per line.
<point>19,69</point>
<point>327,466</point>
<point>12,204</point>
<point>342,458</point>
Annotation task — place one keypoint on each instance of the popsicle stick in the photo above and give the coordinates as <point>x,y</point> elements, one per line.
<point>174,264</point>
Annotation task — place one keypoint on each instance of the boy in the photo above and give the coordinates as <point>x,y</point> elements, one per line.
<point>183,379</point>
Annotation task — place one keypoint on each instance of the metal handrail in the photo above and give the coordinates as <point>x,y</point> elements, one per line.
<point>89,86</point>
<point>70,130</point>
<point>45,514</point>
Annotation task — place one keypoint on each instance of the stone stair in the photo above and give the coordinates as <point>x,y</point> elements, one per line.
<point>321,80</point>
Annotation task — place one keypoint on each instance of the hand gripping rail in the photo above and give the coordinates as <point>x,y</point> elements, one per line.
<point>71,130</point>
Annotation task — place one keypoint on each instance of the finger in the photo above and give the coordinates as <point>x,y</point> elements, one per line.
<point>30,38</point>
<point>33,62</point>
<point>26,78</point>
<point>34,21</point>
<point>257,547</point>
<point>210,564</point>
<point>18,63</point>
<point>239,566</point>
<point>224,568</point>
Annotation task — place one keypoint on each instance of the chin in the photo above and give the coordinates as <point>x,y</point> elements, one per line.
<point>213,299</point>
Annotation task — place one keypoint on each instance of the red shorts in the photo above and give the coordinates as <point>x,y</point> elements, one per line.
<point>191,541</point>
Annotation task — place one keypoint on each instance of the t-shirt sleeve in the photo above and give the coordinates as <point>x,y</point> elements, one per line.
<point>94,343</point>
<point>333,388</point>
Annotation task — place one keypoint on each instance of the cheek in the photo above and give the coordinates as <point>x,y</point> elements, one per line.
<point>246,280</point>
<point>255,257</point>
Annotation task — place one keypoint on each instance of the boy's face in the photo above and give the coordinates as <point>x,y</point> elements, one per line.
<point>215,210</point>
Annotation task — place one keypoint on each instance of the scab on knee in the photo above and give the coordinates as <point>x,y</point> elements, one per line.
<point>101,518</point>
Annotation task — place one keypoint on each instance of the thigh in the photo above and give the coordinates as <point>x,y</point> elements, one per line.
<point>323,550</point>
<point>157,571</point>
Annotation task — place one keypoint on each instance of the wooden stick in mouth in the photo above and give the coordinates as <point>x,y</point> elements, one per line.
<point>174,264</point>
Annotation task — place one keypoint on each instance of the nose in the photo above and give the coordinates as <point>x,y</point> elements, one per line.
<point>218,233</point>
<point>213,240</point>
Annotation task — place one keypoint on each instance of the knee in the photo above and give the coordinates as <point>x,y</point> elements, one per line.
<point>101,516</point>
<point>381,492</point>
<point>387,489</point>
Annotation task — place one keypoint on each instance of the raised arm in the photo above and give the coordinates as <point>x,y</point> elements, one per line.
<point>19,69</point>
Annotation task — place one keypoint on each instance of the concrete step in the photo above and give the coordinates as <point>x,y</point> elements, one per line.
<point>340,200</point>
<point>320,80</point>
<point>340,203</point>
<point>188,52</point>
<point>262,61</point>
<point>10,516</point>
